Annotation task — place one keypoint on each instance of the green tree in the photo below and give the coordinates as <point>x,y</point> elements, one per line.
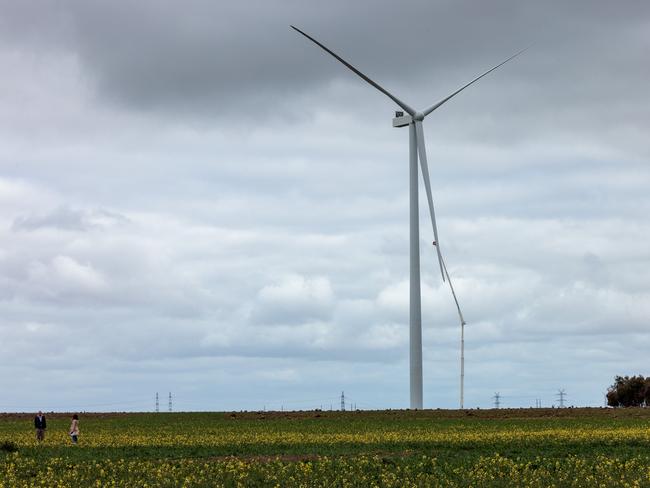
<point>629,391</point>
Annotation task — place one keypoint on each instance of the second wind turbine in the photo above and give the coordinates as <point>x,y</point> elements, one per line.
<point>417,150</point>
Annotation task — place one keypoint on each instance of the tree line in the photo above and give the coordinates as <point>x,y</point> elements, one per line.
<point>629,391</point>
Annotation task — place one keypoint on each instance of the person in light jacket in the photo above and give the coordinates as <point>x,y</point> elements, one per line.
<point>74,428</point>
<point>40,425</point>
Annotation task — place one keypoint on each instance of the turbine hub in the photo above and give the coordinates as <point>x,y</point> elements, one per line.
<point>419,116</point>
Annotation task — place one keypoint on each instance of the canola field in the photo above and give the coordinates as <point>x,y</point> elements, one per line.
<point>430,448</point>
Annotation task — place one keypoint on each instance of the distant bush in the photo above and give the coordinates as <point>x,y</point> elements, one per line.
<point>629,391</point>
<point>8,446</point>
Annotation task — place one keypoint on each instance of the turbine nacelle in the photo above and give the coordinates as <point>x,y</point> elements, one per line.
<point>403,120</point>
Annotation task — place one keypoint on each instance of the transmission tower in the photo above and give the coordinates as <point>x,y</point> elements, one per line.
<point>561,394</point>
<point>497,398</point>
<point>342,401</point>
<point>170,401</point>
<point>157,404</point>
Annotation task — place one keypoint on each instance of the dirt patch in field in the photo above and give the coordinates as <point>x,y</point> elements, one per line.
<point>316,415</point>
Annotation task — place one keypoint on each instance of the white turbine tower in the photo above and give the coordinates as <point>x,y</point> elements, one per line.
<point>417,150</point>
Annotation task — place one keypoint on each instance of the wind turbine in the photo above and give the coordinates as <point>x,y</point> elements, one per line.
<point>417,150</point>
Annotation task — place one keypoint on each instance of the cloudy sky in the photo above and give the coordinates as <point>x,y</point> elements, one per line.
<point>195,199</point>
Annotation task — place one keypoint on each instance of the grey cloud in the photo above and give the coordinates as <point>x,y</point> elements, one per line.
<point>65,218</point>
<point>213,58</point>
<point>294,299</point>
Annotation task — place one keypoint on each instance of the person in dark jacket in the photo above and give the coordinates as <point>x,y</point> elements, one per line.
<point>40,425</point>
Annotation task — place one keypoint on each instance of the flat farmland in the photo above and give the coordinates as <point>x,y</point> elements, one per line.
<point>446,448</point>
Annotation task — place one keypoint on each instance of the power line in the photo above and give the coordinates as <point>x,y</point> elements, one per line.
<point>157,404</point>
<point>170,402</point>
<point>497,398</point>
<point>561,394</point>
<point>342,401</point>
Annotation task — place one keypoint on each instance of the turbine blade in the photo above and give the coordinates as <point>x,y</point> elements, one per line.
<point>444,100</point>
<point>453,293</point>
<point>406,107</point>
<point>427,186</point>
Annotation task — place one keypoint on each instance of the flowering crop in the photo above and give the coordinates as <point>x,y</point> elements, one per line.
<point>358,471</point>
<point>382,449</point>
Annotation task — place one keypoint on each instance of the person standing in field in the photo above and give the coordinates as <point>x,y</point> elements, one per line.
<point>40,425</point>
<point>74,428</point>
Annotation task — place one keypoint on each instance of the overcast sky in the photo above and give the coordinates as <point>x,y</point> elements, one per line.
<point>195,199</point>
